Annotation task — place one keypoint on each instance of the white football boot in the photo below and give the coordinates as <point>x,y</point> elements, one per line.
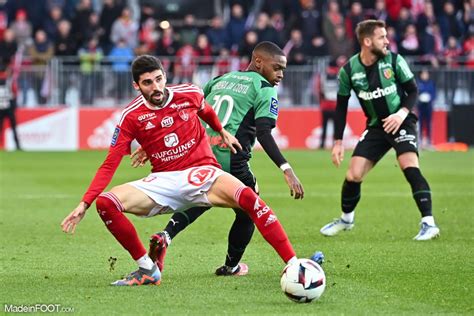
<point>335,227</point>
<point>427,232</point>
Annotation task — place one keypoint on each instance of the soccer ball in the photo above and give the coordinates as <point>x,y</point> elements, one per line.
<point>303,281</point>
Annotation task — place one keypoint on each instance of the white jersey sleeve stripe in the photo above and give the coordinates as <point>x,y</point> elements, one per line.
<point>129,109</point>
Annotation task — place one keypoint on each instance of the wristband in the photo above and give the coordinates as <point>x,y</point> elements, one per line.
<point>402,114</point>
<point>285,166</point>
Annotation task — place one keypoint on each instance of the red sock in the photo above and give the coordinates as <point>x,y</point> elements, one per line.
<point>266,222</point>
<point>110,211</point>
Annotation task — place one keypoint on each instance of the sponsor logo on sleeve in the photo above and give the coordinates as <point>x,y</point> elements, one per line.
<point>274,106</point>
<point>115,136</point>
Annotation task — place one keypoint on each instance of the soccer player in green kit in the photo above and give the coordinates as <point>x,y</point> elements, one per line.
<point>247,105</point>
<point>386,89</point>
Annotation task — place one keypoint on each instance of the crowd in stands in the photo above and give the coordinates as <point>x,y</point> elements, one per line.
<point>438,32</point>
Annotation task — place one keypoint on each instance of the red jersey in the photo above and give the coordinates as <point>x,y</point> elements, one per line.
<point>172,137</point>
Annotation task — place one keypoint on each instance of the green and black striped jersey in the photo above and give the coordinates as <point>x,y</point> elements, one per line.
<point>239,98</point>
<point>377,86</point>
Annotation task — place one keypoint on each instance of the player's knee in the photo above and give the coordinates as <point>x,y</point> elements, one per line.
<point>107,202</point>
<point>354,176</point>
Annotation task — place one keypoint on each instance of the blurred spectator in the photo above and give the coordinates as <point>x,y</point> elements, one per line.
<point>222,64</point>
<point>8,48</point>
<point>379,11</point>
<point>90,57</point>
<point>340,45</point>
<point>236,27</point>
<point>217,34</point>
<point>328,96</point>
<point>426,18</point>
<point>394,7</point>
<point>426,98</point>
<point>278,23</point>
<point>294,50</point>
<point>147,11</point>
<point>203,50</point>
<point>185,64</point>
<point>22,29</point>
<point>468,17</point>
<point>265,30</point>
<point>409,44</point>
<point>148,34</point>
<point>317,47</point>
<point>80,21</point>
<point>331,19</point>
<point>65,45</point>
<point>418,7</point>
<point>50,24</point>
<point>405,18</point>
<point>7,99</point>
<point>67,7</point>
<point>248,44</point>
<point>352,19</point>
<point>468,44</point>
<point>121,56</point>
<point>450,22</point>
<point>167,44</point>
<point>188,32</point>
<point>310,20</point>
<point>93,28</point>
<point>452,52</point>
<point>125,28</point>
<point>110,12</point>
<point>431,45</point>
<point>392,39</point>
<point>41,52</point>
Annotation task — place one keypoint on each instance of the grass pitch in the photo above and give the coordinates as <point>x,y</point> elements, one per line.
<point>375,269</point>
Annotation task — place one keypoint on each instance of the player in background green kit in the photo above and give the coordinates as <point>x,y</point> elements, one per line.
<point>387,92</point>
<point>247,105</point>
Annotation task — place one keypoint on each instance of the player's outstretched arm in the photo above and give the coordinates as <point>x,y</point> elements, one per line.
<point>69,224</point>
<point>337,154</point>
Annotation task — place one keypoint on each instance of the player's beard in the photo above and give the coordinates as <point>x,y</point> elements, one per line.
<point>380,53</point>
<point>152,101</point>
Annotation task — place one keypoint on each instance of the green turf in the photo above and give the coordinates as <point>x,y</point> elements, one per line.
<point>374,269</point>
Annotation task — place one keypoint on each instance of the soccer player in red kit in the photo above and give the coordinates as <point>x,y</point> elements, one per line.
<point>165,121</point>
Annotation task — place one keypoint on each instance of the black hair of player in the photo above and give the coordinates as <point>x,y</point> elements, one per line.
<point>270,48</point>
<point>143,64</point>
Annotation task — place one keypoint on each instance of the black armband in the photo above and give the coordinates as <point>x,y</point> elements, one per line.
<point>264,135</point>
<point>341,114</point>
<point>410,95</point>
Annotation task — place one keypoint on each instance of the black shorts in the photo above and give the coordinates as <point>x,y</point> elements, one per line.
<point>247,178</point>
<point>375,142</point>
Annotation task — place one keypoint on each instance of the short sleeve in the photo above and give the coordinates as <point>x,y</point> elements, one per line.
<point>344,83</point>
<point>266,104</point>
<point>403,71</point>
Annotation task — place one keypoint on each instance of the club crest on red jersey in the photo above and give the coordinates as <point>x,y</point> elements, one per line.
<point>200,175</point>
<point>183,114</point>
